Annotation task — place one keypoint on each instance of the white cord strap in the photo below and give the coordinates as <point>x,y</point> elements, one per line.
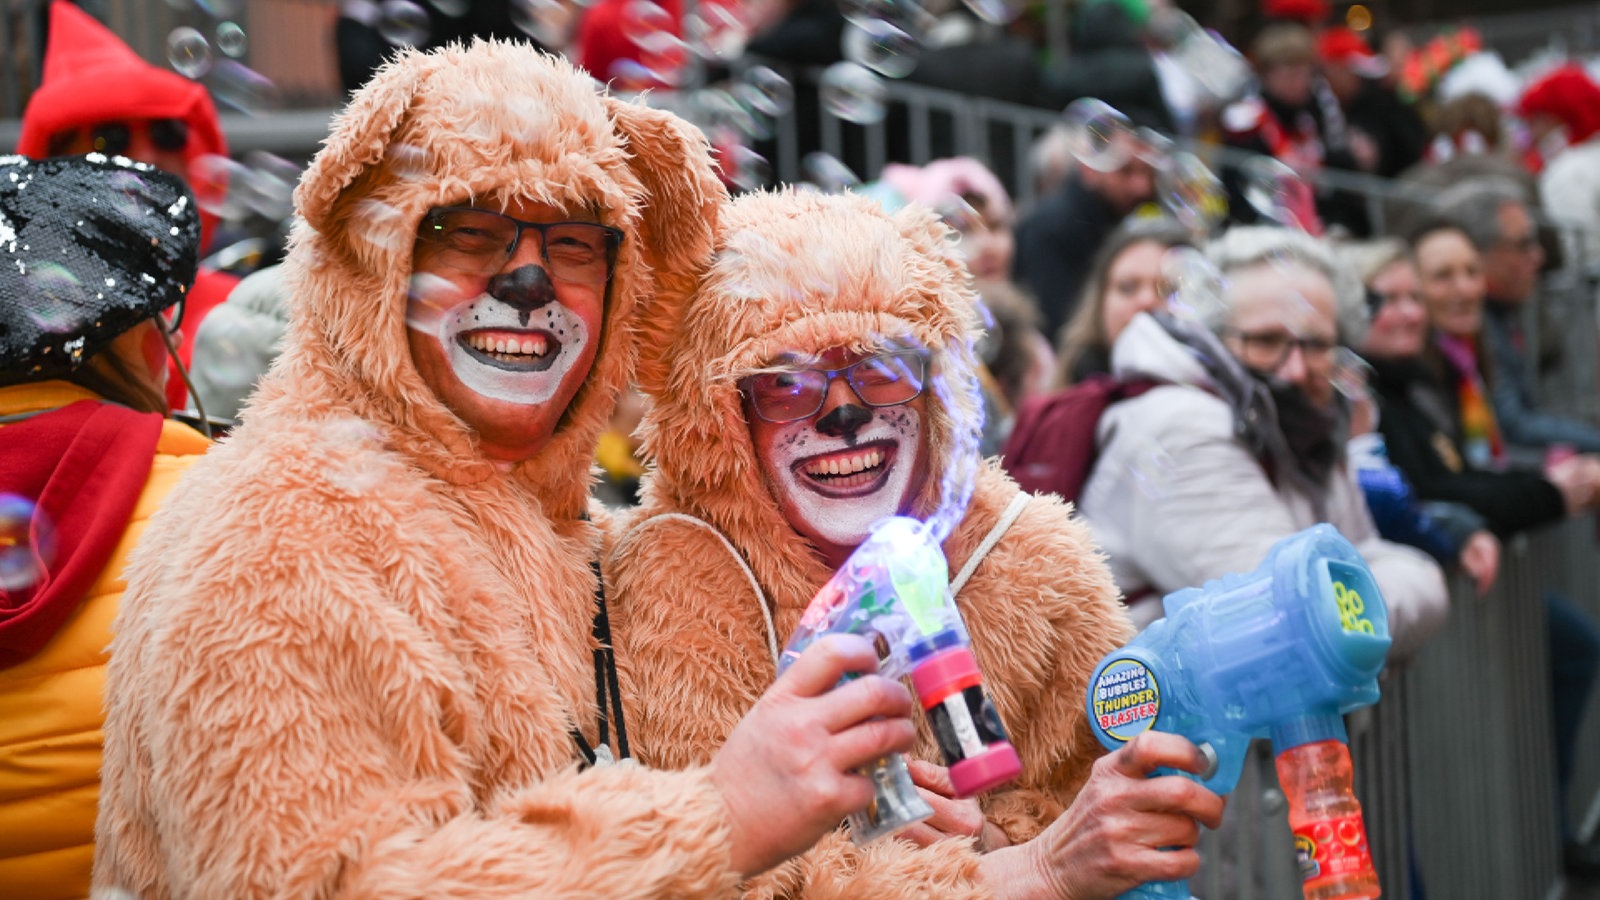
<point>761,597</point>
<point>1007,516</point>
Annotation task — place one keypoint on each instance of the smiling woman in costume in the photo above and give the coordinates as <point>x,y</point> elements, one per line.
<point>359,655</point>
<point>821,378</point>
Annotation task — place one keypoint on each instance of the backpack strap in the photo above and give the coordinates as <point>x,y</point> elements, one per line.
<point>1007,516</point>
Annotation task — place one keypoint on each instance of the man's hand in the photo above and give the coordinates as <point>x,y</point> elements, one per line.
<point>1480,558</point>
<point>787,772</point>
<point>1113,836</point>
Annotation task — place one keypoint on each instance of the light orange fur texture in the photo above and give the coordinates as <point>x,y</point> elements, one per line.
<point>805,272</point>
<point>352,647</point>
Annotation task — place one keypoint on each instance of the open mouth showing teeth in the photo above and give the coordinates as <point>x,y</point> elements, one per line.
<point>516,351</point>
<point>857,471</point>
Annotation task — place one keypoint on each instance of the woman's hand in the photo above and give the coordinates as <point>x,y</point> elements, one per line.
<point>787,772</point>
<point>951,817</point>
<point>1117,833</point>
<point>1480,558</point>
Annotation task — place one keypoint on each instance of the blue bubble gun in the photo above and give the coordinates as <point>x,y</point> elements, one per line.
<point>895,589</point>
<point>1280,652</point>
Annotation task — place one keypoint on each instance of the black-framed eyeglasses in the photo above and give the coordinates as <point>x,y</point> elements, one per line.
<point>480,242</point>
<point>886,379</point>
<point>1267,350</point>
<point>114,138</point>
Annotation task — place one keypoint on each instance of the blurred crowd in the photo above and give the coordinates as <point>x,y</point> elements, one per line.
<point>1268,345</point>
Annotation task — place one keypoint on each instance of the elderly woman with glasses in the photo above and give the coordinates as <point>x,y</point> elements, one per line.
<point>819,378</point>
<point>1242,442</point>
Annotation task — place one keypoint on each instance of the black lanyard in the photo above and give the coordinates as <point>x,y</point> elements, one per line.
<point>607,690</point>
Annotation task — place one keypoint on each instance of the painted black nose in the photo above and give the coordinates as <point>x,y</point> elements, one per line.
<point>844,421</point>
<point>527,288</point>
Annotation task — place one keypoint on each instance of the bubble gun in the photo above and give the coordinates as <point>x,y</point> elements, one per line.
<point>1280,652</point>
<point>895,589</point>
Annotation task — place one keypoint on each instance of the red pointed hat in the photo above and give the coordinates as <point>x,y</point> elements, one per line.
<point>91,76</point>
<point>1568,94</point>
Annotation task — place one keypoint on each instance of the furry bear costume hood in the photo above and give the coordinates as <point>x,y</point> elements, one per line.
<point>355,650</point>
<point>709,579</point>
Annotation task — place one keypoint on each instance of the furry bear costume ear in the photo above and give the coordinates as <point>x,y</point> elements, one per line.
<point>669,156</point>
<point>349,152</point>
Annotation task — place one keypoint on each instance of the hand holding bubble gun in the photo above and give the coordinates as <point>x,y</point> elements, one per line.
<point>895,588</point>
<point>1280,652</point>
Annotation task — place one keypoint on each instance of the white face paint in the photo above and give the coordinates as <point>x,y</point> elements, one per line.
<point>501,352</point>
<point>832,489</point>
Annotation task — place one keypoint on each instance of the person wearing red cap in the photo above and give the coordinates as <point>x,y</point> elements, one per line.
<point>1386,134</point>
<point>1563,108</point>
<point>97,95</point>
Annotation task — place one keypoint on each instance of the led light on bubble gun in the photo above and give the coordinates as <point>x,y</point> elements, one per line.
<point>896,586</point>
<point>1280,652</point>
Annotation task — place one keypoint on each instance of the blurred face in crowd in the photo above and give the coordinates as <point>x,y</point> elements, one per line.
<point>1289,83</point>
<point>159,142</point>
<point>1451,278</point>
<point>506,340</point>
<point>1511,266</point>
<point>1134,284</point>
<point>842,441</point>
<point>1132,183</point>
<point>986,240</point>
<point>1282,323</point>
<point>1399,322</point>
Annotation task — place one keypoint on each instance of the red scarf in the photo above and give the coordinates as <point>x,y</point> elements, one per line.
<point>82,469</point>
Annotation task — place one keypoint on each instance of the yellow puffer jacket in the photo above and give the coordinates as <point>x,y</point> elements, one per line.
<point>50,704</point>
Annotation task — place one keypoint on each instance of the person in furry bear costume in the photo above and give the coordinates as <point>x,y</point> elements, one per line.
<point>358,653</point>
<point>744,518</point>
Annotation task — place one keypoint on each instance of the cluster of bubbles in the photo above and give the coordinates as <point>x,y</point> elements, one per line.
<point>27,544</point>
<point>214,55</point>
<point>1105,140</point>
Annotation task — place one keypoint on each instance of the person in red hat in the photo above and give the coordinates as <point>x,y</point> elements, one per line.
<point>1386,135</point>
<point>1562,110</point>
<point>98,96</point>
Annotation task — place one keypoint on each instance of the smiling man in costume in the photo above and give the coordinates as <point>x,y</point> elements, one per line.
<point>819,378</point>
<point>358,654</point>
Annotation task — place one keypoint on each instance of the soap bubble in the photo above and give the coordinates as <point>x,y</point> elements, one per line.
<point>715,31</point>
<point>1099,135</point>
<point>550,22</point>
<point>997,12</point>
<point>27,543</point>
<point>382,225</point>
<point>647,25</point>
<point>851,91</point>
<point>231,39</point>
<point>1192,193</point>
<point>768,91</point>
<point>188,52</point>
<point>455,9</point>
<point>403,23</point>
<point>218,184</point>
<point>827,172</point>
<point>56,297</point>
<point>1194,283</point>
<point>269,190</point>
<point>1275,190</point>
<point>240,87</point>
<point>881,46</point>
<point>746,168</point>
<point>428,298</point>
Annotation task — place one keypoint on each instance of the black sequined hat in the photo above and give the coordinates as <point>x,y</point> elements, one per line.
<point>89,246</point>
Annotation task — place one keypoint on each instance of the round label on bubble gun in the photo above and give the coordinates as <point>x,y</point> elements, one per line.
<point>1127,699</point>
